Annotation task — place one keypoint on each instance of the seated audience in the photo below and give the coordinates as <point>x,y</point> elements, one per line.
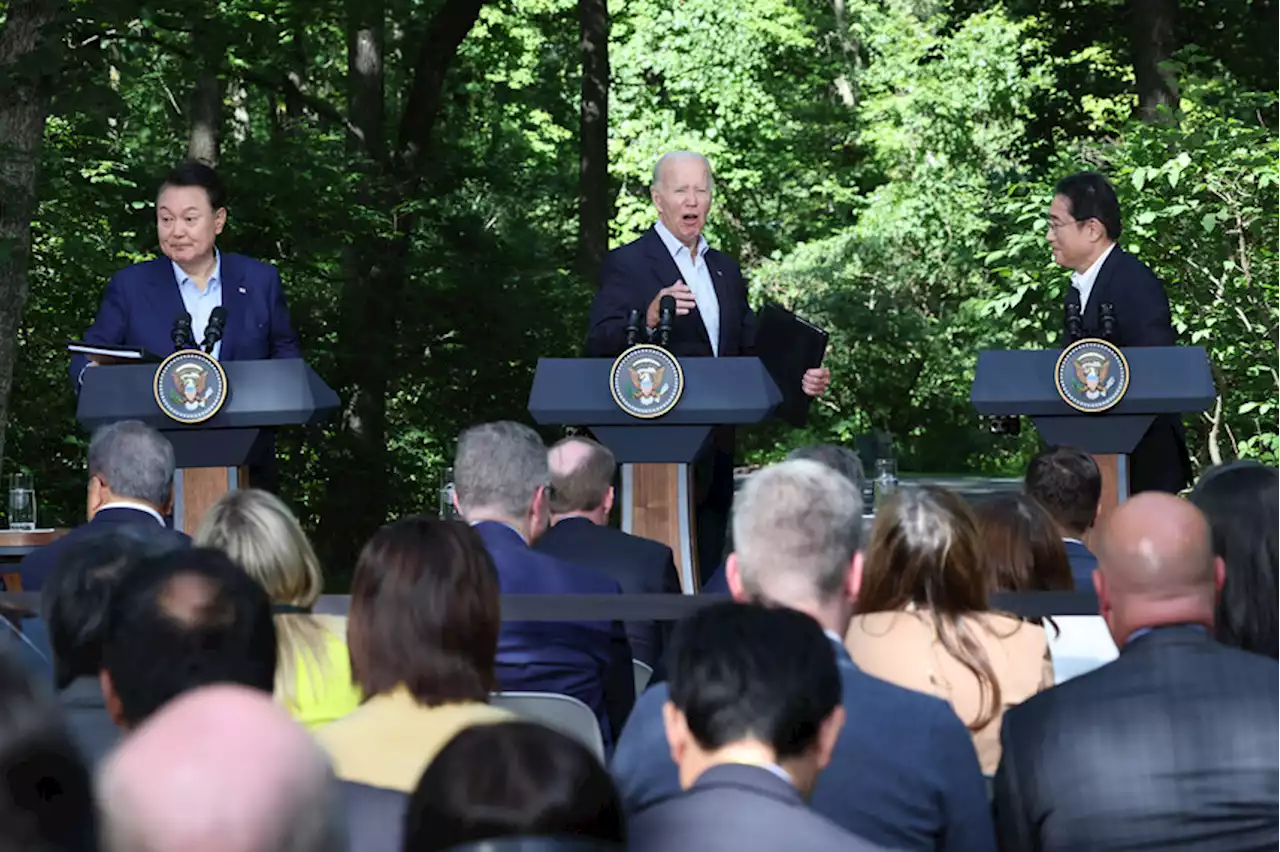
<point>903,773</point>
<point>1172,746</point>
<point>924,622</point>
<point>514,780</point>
<point>261,535</point>
<point>46,791</point>
<point>753,716</point>
<point>224,769</point>
<point>1068,484</point>
<point>501,477</point>
<point>176,622</point>
<point>581,498</point>
<point>130,482</point>
<point>1241,501</point>
<point>75,603</point>
<point>423,632</point>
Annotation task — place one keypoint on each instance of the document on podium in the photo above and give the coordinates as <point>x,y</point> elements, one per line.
<point>105,354</point>
<point>789,345</point>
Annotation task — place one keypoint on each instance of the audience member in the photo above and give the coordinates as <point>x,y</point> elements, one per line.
<point>1172,746</point>
<point>46,792</point>
<point>130,482</point>
<point>903,773</point>
<point>423,632</point>
<point>187,619</point>
<point>261,535</point>
<point>1022,547</point>
<point>753,716</point>
<point>517,779</point>
<point>581,498</point>
<point>220,769</point>
<point>1067,483</point>
<point>501,477</point>
<point>75,603</point>
<point>1241,501</point>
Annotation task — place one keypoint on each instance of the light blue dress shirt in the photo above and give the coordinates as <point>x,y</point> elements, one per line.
<point>697,277</point>
<point>200,305</point>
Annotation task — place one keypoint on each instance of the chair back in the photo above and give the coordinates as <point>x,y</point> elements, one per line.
<point>643,672</point>
<point>563,713</point>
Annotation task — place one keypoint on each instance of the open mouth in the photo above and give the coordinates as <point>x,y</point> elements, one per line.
<point>689,218</point>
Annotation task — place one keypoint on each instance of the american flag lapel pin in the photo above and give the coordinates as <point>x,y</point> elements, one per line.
<point>243,292</point>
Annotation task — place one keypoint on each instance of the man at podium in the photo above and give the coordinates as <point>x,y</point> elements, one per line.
<point>1114,295</point>
<point>228,304</point>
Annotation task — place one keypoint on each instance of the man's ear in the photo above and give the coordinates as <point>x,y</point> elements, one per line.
<point>1100,589</point>
<point>219,220</point>
<point>167,508</point>
<point>853,581</point>
<point>111,700</point>
<point>828,733</point>
<point>677,730</point>
<point>96,497</point>
<point>1219,573</point>
<point>733,576</point>
<point>539,514</point>
<point>608,501</point>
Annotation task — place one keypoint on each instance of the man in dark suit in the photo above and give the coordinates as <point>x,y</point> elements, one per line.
<point>501,477</point>
<point>712,317</point>
<point>1173,745</point>
<point>130,482</point>
<point>1067,483</point>
<point>903,773</point>
<point>753,717</point>
<point>581,498</point>
<point>192,277</point>
<point>1084,224</point>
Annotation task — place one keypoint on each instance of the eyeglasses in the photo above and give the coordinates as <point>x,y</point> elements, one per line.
<point>1057,226</point>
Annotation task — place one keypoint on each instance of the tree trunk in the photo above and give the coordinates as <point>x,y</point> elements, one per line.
<point>29,60</point>
<point>593,162</point>
<point>846,83</point>
<point>1153,43</point>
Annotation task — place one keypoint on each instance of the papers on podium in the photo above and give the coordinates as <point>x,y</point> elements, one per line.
<point>105,354</point>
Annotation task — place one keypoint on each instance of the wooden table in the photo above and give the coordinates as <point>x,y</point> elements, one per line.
<point>16,544</point>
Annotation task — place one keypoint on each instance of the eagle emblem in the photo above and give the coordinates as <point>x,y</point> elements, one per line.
<point>646,381</point>
<point>190,386</point>
<point>1092,375</point>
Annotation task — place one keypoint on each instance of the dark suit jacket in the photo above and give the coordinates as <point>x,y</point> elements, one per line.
<point>1171,746</point>
<point>903,775</point>
<point>630,277</point>
<point>375,817</point>
<point>141,301</point>
<point>1141,309</point>
<point>1082,564</point>
<point>37,565</point>
<point>589,660</point>
<point>735,808</point>
<point>640,566</point>
<point>86,713</point>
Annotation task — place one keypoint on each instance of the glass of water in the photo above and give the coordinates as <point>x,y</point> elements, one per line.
<point>447,510</point>
<point>22,502</point>
<point>886,481</point>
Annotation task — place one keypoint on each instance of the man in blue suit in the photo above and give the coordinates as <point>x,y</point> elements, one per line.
<point>1067,483</point>
<point>192,277</point>
<point>501,477</point>
<point>903,774</point>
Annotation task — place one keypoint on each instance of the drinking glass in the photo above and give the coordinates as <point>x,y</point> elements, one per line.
<point>448,512</point>
<point>22,502</point>
<point>886,481</point>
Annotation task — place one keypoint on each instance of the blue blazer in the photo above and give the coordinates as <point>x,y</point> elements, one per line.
<point>589,660</point>
<point>1082,564</point>
<point>904,774</point>
<point>39,564</point>
<point>141,301</point>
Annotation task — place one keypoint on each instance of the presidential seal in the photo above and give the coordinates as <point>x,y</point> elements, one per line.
<point>646,381</point>
<point>190,386</point>
<point>1092,375</point>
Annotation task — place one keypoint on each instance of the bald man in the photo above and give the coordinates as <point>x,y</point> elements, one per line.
<point>1172,746</point>
<point>581,498</point>
<point>220,769</point>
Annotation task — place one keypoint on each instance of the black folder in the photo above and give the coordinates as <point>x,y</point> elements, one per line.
<point>789,345</point>
<point>106,354</point>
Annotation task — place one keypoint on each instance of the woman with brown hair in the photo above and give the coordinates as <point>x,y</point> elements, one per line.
<point>423,633</point>
<point>924,621</point>
<point>1023,550</point>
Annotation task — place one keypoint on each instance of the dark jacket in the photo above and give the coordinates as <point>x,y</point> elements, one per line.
<point>374,817</point>
<point>1082,564</point>
<point>86,713</point>
<point>37,565</point>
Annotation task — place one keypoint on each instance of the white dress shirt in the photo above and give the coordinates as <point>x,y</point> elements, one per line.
<point>137,507</point>
<point>1084,283</point>
<point>201,304</point>
<point>697,277</point>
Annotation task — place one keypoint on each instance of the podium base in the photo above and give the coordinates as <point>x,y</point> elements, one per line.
<point>657,503</point>
<point>196,489</point>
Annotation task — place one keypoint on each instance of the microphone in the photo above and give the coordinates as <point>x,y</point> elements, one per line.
<point>1075,325</point>
<point>633,328</point>
<point>213,331</point>
<point>181,332</point>
<point>666,313</point>
<point>1108,311</point>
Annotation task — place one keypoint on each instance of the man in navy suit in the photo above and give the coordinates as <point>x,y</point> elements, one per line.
<point>501,476</point>
<point>903,773</point>
<point>192,277</point>
<point>1084,224</point>
<point>130,482</point>
<point>1067,483</point>
<point>581,497</point>
<point>712,317</point>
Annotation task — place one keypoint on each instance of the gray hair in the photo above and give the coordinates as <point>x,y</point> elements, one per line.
<point>842,460</point>
<point>498,468</point>
<point>796,528</point>
<point>134,460</point>
<point>677,156</point>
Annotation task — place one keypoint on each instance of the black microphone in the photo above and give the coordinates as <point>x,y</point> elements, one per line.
<point>666,313</point>
<point>1108,311</point>
<point>213,331</point>
<point>633,328</point>
<point>181,333</point>
<point>1075,325</point>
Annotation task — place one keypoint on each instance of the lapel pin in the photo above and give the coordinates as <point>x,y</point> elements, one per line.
<point>244,291</point>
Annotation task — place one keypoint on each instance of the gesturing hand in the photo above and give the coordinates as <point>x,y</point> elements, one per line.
<point>684,302</point>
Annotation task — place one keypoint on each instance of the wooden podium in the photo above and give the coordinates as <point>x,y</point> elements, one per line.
<point>656,455</point>
<point>213,457</point>
<point>1162,380</point>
